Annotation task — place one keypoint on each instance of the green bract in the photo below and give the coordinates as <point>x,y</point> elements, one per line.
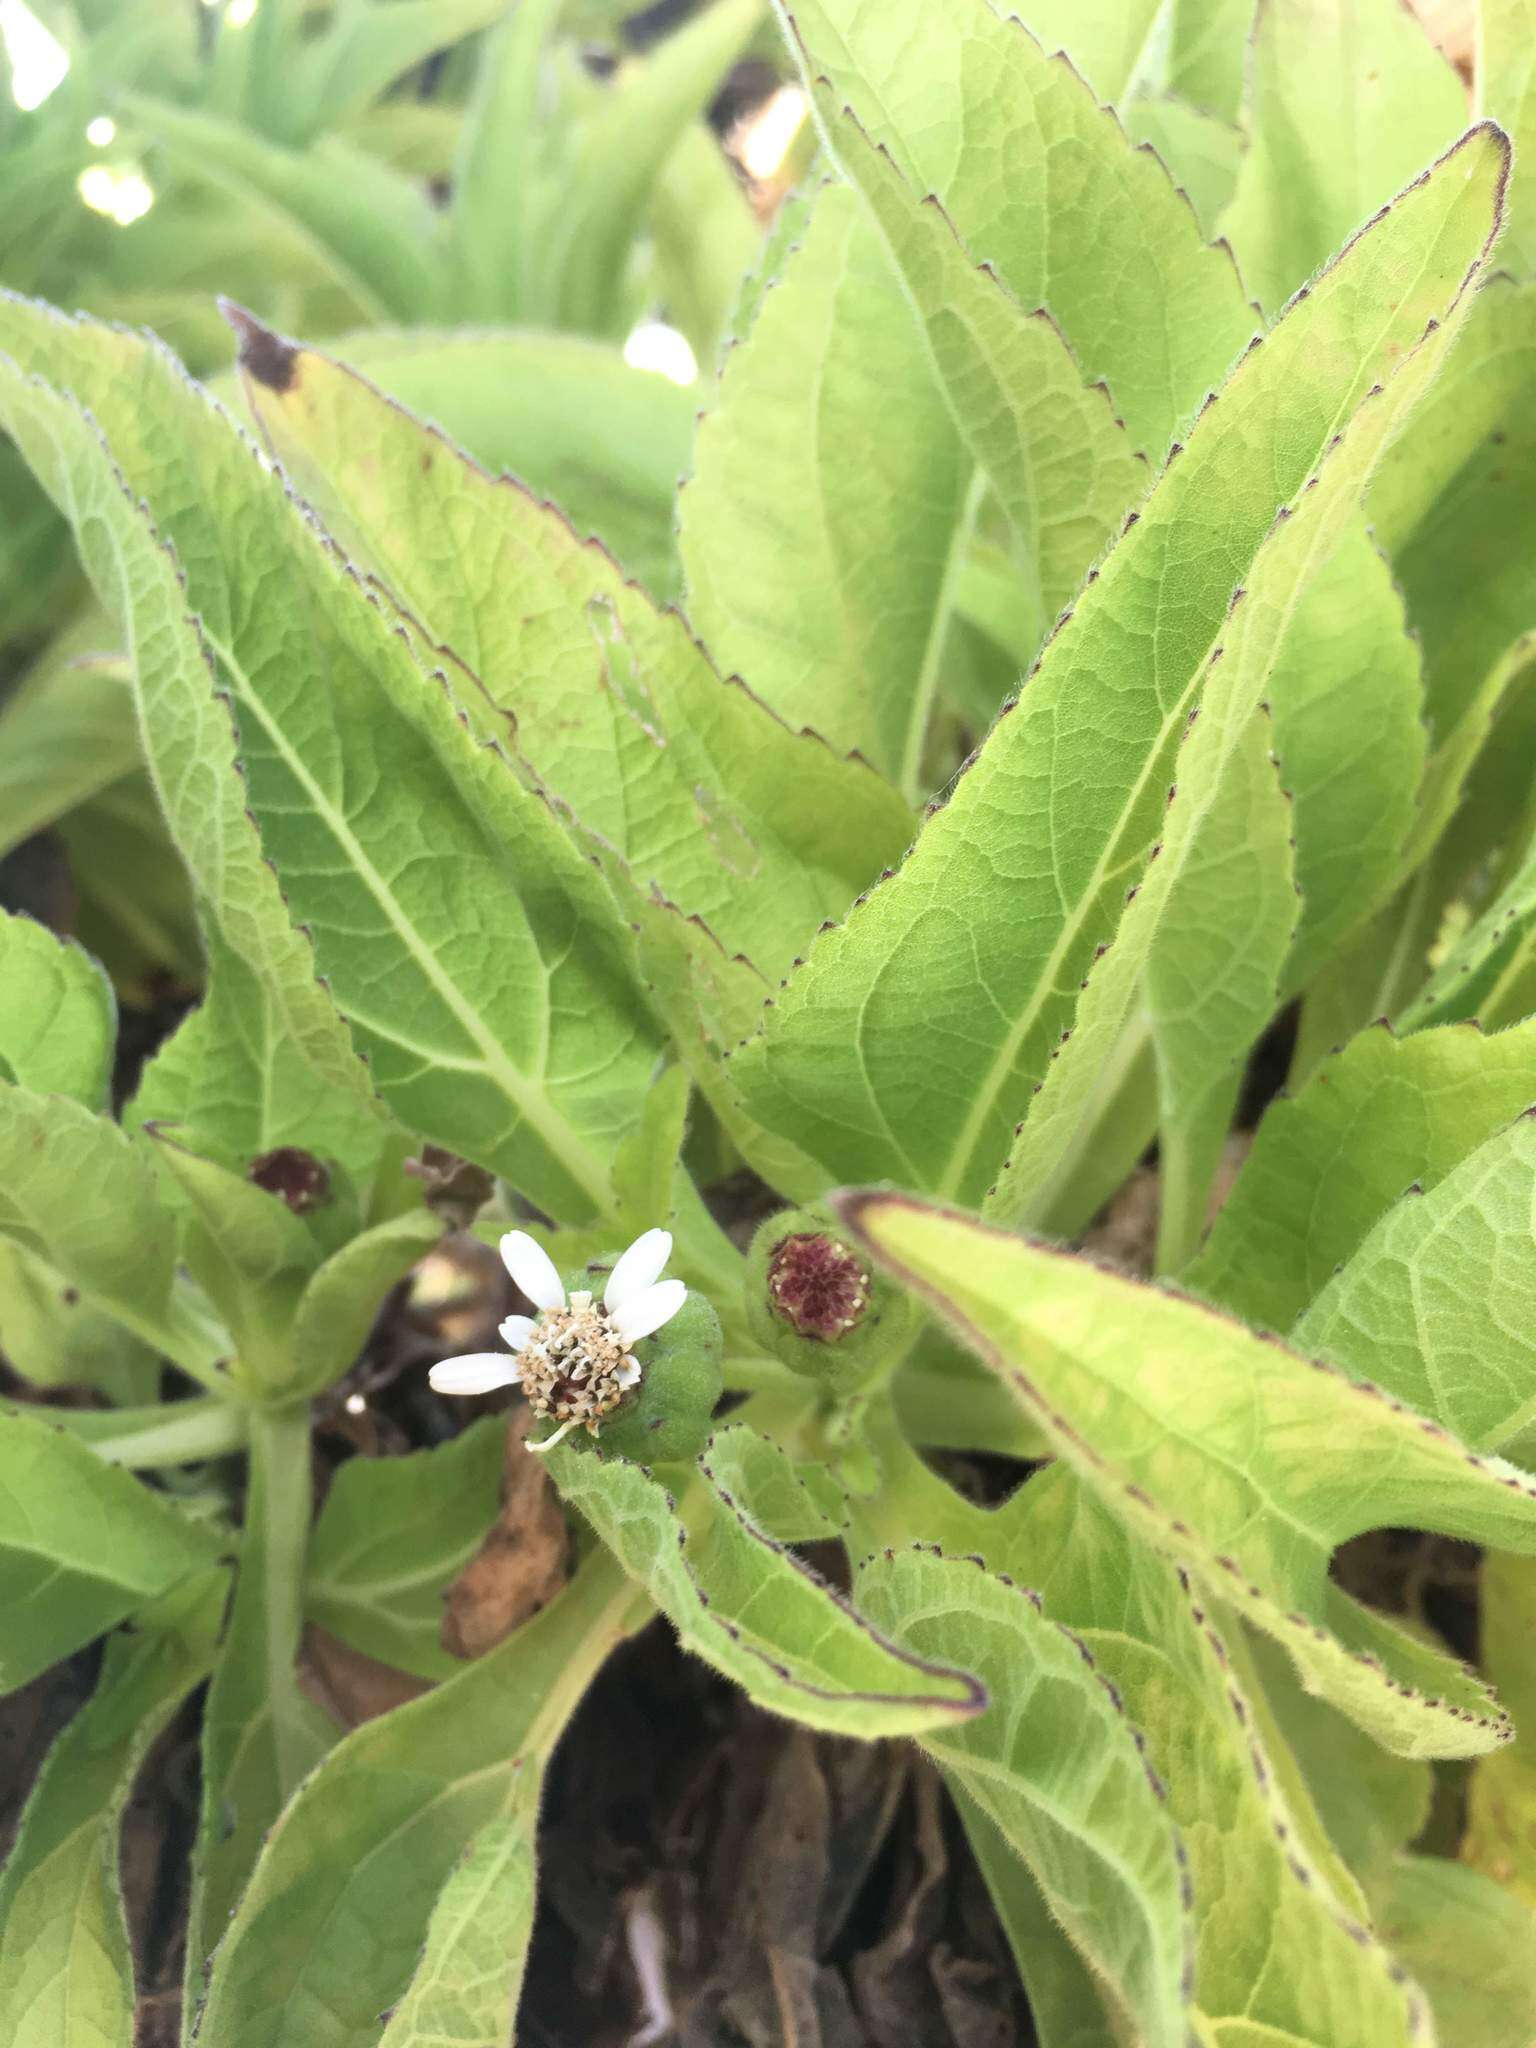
<point>984,832</point>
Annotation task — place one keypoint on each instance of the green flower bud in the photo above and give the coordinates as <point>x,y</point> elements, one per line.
<point>814,1302</point>
<point>670,1414</point>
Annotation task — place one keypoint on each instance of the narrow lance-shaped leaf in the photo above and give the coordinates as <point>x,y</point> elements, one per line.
<point>1438,1305</point>
<point>1327,1165</point>
<point>82,1545</point>
<point>66,729</point>
<point>1057,1767</point>
<point>701,791</point>
<point>1506,90</point>
<point>451,914</point>
<point>58,1017</point>
<point>1231,948</point>
<point>1501,1818</point>
<point>1255,1860</point>
<point>66,1965</point>
<point>954,982</point>
<point>1344,104</point>
<point>753,1611</point>
<point>1248,1462</point>
<point>1040,182</point>
<point>467,1983</point>
<point>321,1945</point>
<point>818,546</point>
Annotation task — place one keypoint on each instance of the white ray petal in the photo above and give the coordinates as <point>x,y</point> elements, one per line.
<point>550,1441</point>
<point>533,1269</point>
<point>638,1268</point>
<point>516,1331</point>
<point>628,1374</point>
<point>644,1313</point>
<point>477,1372</point>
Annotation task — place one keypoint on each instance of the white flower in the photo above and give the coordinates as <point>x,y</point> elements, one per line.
<point>573,1360</point>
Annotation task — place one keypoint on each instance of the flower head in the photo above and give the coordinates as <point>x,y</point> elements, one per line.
<point>817,1285</point>
<point>574,1360</point>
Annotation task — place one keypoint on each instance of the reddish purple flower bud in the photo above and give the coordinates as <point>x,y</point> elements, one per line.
<point>818,1286</point>
<point>295,1176</point>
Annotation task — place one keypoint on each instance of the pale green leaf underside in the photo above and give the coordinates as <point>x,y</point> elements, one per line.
<point>82,1545</point>
<point>816,545</point>
<point>1326,1166</point>
<point>66,1966</point>
<point>1055,1766</point>
<point>701,791</point>
<point>1041,182</point>
<point>467,1982</point>
<point>1315,1974</point>
<point>1249,1462</point>
<point>1438,1305</point>
<point>748,1607</point>
<point>58,1018</point>
<point>1344,104</point>
<point>954,982</point>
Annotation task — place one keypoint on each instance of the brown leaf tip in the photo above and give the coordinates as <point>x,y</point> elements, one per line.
<point>262,354</point>
<point>817,1285</point>
<point>294,1176</point>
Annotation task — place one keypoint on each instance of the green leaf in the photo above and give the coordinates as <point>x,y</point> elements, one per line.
<point>1470,1945</point>
<point>495,172</point>
<point>1110,42</point>
<point>1203,51</point>
<point>54,1338</point>
<point>580,254</point>
<point>1201,152</point>
<point>1344,104</point>
<point>1060,1774</point>
<point>753,1611</point>
<point>1506,88</point>
<point>1066,2002</point>
<point>1326,1166</point>
<point>188,744</point>
<point>1346,697</point>
<point>337,1308</point>
<point>135,909</point>
<point>253,1258</point>
<point>370,229</point>
<point>78,1194</point>
<point>450,913</point>
<point>58,1017</point>
<point>321,1945</point>
<point>1438,1305</point>
<point>1282,1955</point>
<point>1246,1461</point>
<point>66,729</point>
<point>955,981</point>
<point>818,550</point>
<point>1453,503</point>
<point>393,1535</point>
<point>702,792</point>
<point>66,1966</point>
<point>704,236</point>
<point>1212,972</point>
<point>363,50</point>
<point>82,1545</point>
<point>1501,1795</point>
<point>470,1975</point>
<point>1371,1804</point>
<point>1058,461</point>
<point>1040,182</point>
<point>605,442</point>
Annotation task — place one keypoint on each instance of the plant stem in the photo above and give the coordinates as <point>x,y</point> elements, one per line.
<point>276,1549</point>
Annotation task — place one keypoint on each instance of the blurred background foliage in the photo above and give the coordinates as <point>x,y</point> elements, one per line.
<point>528,222</point>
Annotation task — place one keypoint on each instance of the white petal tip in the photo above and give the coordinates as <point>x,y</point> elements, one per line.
<point>517,1330</point>
<point>644,1313</point>
<point>532,1269</point>
<point>479,1372</point>
<point>640,1267</point>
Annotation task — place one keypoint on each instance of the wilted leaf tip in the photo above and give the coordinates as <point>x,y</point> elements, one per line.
<point>262,354</point>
